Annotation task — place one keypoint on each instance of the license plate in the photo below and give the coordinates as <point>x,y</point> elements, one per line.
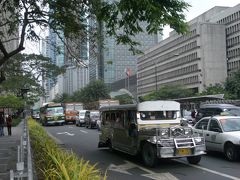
<point>183,151</point>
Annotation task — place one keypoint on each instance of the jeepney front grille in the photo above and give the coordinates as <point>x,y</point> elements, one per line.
<point>166,143</point>
<point>184,142</point>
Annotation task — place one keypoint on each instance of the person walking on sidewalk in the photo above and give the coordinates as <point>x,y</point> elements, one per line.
<point>9,125</point>
<point>1,125</point>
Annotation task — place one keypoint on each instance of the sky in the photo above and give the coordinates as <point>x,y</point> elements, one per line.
<point>200,6</point>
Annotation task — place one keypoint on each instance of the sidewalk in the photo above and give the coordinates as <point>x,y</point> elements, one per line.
<point>8,151</point>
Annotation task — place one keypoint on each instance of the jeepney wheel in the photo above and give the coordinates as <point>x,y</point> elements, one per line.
<point>194,159</point>
<point>149,155</point>
<point>109,143</point>
<point>231,152</point>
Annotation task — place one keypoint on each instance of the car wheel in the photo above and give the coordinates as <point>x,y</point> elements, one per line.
<point>194,159</point>
<point>149,155</point>
<point>231,152</point>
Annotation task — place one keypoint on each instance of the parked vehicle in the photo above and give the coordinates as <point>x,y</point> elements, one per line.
<point>83,116</point>
<point>36,114</point>
<point>53,114</point>
<point>152,129</point>
<point>72,111</point>
<point>92,121</point>
<point>222,133</point>
<point>206,110</point>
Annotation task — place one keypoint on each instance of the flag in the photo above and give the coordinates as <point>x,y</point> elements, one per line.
<point>128,72</point>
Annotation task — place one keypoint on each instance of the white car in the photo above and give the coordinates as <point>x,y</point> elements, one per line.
<point>221,133</point>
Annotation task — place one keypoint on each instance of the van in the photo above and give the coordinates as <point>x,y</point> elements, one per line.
<point>216,109</point>
<point>92,121</point>
<point>83,116</point>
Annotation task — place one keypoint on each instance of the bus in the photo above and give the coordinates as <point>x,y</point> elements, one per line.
<point>71,111</point>
<point>52,114</point>
<point>151,129</point>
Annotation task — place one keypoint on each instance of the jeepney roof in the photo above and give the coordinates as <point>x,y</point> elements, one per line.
<point>159,106</point>
<point>119,107</point>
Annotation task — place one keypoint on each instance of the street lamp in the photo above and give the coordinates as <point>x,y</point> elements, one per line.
<point>156,76</point>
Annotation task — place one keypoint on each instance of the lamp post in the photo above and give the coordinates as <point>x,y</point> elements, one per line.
<point>155,76</point>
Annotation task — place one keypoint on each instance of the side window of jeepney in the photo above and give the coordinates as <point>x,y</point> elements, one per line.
<point>119,119</point>
<point>106,118</point>
<point>131,118</point>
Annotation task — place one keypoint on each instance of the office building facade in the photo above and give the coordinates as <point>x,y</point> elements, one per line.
<point>117,59</point>
<point>196,60</point>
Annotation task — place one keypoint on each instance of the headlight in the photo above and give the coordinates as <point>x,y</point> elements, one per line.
<point>164,132</point>
<point>153,139</point>
<point>199,140</point>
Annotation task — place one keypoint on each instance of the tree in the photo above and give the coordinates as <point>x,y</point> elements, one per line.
<point>26,71</point>
<point>168,92</point>
<point>232,85</point>
<point>124,99</point>
<point>69,17</point>
<point>11,101</point>
<point>94,91</point>
<point>63,98</point>
<point>214,89</point>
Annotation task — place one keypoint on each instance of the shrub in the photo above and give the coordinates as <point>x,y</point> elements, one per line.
<point>52,162</point>
<point>16,121</point>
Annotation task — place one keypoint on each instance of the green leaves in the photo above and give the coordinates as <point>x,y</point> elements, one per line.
<point>169,92</point>
<point>26,71</point>
<point>122,20</point>
<point>11,101</point>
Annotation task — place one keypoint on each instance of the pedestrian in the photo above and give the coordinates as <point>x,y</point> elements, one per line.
<point>9,125</point>
<point>193,115</point>
<point>1,125</point>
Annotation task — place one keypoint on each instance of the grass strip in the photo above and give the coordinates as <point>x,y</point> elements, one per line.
<point>54,163</point>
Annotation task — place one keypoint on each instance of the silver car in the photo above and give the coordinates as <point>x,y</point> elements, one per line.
<point>222,133</point>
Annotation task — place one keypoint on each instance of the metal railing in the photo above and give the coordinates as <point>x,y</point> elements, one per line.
<point>24,161</point>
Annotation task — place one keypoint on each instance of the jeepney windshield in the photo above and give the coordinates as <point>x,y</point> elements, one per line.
<point>70,107</point>
<point>158,115</point>
<point>55,111</point>
<point>78,107</point>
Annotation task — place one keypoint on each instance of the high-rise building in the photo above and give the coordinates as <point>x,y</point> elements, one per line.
<point>196,60</point>
<point>117,59</point>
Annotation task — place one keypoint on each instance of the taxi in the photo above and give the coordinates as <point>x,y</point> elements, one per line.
<point>221,133</point>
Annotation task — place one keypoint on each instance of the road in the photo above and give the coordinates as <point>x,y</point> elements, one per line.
<point>120,166</point>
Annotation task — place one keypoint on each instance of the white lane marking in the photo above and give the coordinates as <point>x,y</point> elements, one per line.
<point>83,131</point>
<point>153,175</point>
<point>160,176</point>
<point>209,170</point>
<point>67,133</point>
<point>123,168</point>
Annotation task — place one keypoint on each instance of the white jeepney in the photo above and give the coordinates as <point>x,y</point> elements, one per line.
<point>152,129</point>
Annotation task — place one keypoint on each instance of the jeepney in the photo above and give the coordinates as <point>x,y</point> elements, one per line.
<point>152,129</point>
<point>52,114</point>
<point>71,111</point>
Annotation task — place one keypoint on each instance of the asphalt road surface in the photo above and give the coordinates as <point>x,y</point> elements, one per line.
<point>120,166</point>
